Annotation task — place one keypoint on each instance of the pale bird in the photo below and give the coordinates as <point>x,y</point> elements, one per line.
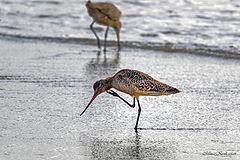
<point>105,14</point>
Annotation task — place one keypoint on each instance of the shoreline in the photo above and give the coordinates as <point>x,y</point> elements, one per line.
<point>170,48</point>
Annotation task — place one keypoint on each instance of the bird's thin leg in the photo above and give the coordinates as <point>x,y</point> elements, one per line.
<point>105,40</point>
<point>118,40</point>
<point>116,95</point>
<point>139,112</point>
<point>98,40</point>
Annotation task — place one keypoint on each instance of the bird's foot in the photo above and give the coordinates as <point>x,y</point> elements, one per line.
<point>113,93</point>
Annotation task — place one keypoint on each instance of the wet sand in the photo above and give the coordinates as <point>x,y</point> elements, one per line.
<point>44,86</point>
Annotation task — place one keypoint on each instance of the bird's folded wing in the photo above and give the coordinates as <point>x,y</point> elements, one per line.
<point>108,9</point>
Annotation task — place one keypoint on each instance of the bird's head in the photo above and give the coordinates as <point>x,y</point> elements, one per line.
<point>89,4</point>
<point>99,87</point>
<point>117,26</point>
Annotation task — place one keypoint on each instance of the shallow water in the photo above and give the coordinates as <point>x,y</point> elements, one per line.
<point>202,26</point>
<point>44,86</point>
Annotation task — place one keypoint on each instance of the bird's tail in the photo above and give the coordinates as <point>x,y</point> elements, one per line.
<point>172,90</point>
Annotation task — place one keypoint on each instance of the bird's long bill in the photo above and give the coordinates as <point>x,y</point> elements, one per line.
<point>94,96</point>
<point>118,40</point>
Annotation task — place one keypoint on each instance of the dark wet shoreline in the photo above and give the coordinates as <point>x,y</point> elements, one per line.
<point>171,48</point>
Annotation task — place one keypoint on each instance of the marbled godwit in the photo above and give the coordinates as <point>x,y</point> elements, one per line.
<point>134,83</point>
<point>106,14</point>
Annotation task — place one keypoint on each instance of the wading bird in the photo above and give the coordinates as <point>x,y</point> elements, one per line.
<point>134,83</point>
<point>106,14</point>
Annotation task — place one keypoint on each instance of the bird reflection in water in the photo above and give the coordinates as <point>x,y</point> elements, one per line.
<point>136,147</point>
<point>104,64</point>
<point>117,149</point>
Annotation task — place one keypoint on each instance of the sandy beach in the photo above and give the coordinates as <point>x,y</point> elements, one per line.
<point>46,85</point>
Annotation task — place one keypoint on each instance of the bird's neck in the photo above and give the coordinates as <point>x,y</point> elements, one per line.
<point>108,82</point>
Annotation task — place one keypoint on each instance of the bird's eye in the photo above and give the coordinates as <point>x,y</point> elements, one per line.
<point>96,85</point>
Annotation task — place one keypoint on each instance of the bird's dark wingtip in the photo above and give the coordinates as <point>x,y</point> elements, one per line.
<point>177,90</point>
<point>173,90</point>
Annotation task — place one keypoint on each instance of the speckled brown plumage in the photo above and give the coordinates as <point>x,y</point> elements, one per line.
<point>136,83</point>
